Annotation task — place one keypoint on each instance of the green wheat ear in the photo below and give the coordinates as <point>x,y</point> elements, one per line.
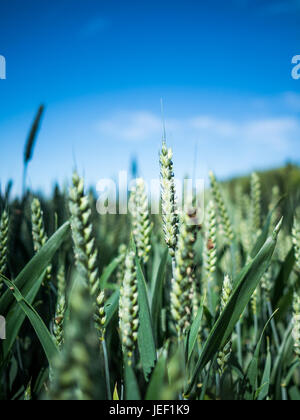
<point>296,241</point>
<point>38,229</point>
<point>58,329</point>
<point>82,233</point>
<point>140,220</point>
<point>122,252</point>
<point>224,354</point>
<point>4,227</point>
<point>255,205</point>
<point>222,210</point>
<point>168,199</point>
<point>39,234</point>
<point>296,323</point>
<point>183,282</point>
<point>266,285</point>
<point>210,250</point>
<point>128,308</point>
<point>75,371</point>
<point>100,315</point>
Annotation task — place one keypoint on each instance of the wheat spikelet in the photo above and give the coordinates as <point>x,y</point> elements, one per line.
<point>140,220</point>
<point>296,323</point>
<point>121,266</point>
<point>254,300</point>
<point>210,250</point>
<point>30,142</point>
<point>29,146</point>
<point>266,285</point>
<point>58,329</point>
<point>100,316</point>
<point>296,241</point>
<point>38,230</point>
<point>82,233</point>
<point>39,234</point>
<point>4,226</point>
<point>222,210</point>
<point>224,354</point>
<point>255,204</point>
<point>168,199</point>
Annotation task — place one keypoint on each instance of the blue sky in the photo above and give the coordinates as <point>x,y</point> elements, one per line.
<point>101,67</point>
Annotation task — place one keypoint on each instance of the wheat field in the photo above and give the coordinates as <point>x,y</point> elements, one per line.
<point>151,307</point>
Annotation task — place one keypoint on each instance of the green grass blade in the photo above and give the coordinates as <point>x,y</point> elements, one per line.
<point>37,323</point>
<point>158,380</point>
<point>132,391</point>
<point>15,319</point>
<point>283,277</point>
<point>265,383</point>
<point>265,231</point>
<point>294,393</point>
<point>252,371</point>
<point>194,331</point>
<point>107,273</point>
<point>280,354</point>
<point>111,307</point>
<point>295,365</point>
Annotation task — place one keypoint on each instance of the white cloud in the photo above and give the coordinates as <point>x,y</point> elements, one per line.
<point>131,126</point>
<point>275,132</point>
<point>278,133</point>
<point>221,127</point>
